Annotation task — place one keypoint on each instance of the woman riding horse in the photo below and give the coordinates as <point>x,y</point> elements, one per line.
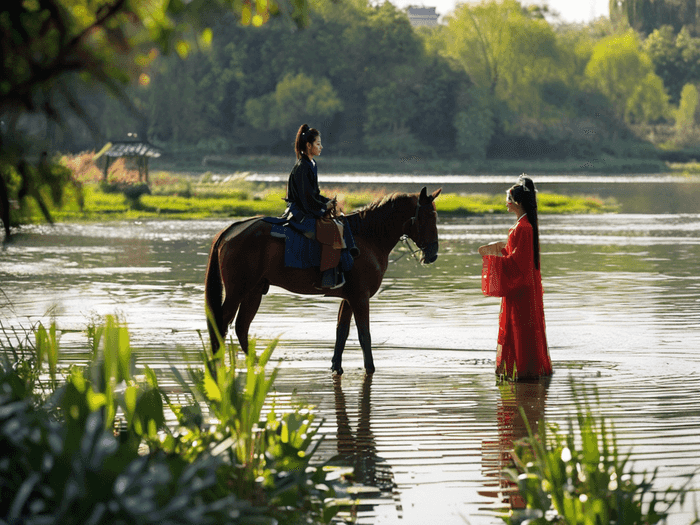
<point>245,259</point>
<point>305,204</point>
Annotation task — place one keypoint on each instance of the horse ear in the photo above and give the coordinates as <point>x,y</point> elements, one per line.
<point>435,194</point>
<point>423,194</point>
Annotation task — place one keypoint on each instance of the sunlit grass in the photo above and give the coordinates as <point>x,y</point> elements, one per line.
<point>210,201</point>
<point>686,168</point>
<point>175,195</point>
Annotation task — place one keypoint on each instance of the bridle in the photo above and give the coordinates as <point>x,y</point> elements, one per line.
<point>406,240</point>
<point>414,221</point>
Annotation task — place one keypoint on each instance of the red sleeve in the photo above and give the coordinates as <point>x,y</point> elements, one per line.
<point>502,275</point>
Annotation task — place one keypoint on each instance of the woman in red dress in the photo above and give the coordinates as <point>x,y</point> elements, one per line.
<point>512,271</point>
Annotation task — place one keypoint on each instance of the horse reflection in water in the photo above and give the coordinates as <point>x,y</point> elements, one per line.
<point>371,474</point>
<point>496,456</point>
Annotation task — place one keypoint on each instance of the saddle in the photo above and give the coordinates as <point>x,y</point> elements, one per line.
<point>330,234</point>
<point>332,247</point>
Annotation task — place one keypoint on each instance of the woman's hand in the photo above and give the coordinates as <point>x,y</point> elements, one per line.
<point>492,249</point>
<point>332,208</point>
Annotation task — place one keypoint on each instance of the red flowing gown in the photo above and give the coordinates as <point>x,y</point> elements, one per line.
<point>522,351</point>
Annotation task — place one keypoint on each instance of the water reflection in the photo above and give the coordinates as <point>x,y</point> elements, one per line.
<point>622,299</point>
<point>531,397</point>
<point>372,475</point>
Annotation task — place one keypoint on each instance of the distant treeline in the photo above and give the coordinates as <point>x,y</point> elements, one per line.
<point>496,80</point>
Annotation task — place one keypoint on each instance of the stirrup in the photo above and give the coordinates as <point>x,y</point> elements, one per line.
<point>332,279</point>
<point>340,282</point>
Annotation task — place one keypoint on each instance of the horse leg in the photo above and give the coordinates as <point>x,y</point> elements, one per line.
<point>228,312</point>
<point>246,313</point>
<point>361,312</point>
<point>341,336</point>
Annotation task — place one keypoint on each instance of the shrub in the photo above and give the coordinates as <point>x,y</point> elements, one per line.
<point>61,461</point>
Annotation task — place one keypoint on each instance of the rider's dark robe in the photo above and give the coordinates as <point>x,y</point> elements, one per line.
<point>304,199</point>
<point>522,343</point>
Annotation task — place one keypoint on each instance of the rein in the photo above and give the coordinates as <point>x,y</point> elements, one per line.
<point>411,250</point>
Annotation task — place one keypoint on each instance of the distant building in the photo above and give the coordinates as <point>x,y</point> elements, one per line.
<point>136,152</point>
<point>422,16</point>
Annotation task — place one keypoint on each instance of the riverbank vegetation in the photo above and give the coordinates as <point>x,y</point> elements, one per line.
<point>90,444</point>
<point>213,87</point>
<point>171,195</point>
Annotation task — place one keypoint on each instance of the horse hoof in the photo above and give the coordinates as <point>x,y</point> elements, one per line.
<point>337,371</point>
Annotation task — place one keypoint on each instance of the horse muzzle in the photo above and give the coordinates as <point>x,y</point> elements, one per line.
<point>430,253</point>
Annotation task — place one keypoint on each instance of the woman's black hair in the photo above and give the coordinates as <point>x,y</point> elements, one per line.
<point>523,193</point>
<point>305,135</point>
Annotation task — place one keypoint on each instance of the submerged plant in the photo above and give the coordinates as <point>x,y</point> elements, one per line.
<point>580,477</point>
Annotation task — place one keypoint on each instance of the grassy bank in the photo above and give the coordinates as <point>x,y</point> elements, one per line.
<point>185,196</point>
<point>88,197</point>
<point>180,198</point>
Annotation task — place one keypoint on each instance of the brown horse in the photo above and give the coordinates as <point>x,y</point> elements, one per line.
<point>245,260</point>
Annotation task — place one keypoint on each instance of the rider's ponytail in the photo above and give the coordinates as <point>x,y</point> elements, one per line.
<point>305,135</point>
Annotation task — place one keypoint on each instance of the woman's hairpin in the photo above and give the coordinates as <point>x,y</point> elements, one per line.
<point>521,181</point>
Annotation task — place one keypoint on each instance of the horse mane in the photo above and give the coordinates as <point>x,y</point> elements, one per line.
<point>373,219</point>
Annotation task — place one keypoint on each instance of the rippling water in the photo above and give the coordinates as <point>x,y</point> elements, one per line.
<point>427,435</point>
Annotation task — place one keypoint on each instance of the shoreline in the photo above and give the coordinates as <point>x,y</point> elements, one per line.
<point>212,199</point>
<point>196,164</point>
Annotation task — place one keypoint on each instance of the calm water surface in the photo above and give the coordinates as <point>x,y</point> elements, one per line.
<point>427,434</point>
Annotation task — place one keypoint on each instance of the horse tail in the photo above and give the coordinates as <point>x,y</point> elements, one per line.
<point>213,290</point>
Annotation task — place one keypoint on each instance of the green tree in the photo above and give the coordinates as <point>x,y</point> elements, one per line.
<point>297,98</point>
<point>504,49</point>
<point>475,127</point>
<point>685,115</point>
<point>675,57</point>
<point>389,108</point>
<point>648,102</point>
<point>622,72</point>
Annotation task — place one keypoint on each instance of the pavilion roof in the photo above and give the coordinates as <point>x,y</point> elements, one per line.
<point>129,149</point>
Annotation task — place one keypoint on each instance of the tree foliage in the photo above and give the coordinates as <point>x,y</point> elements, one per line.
<point>685,116</point>
<point>504,49</point>
<point>621,71</point>
<point>647,15</point>
<point>296,98</point>
<point>676,58</point>
<point>496,78</point>
<point>53,49</point>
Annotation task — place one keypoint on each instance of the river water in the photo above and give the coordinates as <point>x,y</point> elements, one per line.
<point>428,434</point>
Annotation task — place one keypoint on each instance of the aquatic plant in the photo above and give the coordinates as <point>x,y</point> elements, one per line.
<point>266,455</point>
<point>580,476</point>
<point>61,460</point>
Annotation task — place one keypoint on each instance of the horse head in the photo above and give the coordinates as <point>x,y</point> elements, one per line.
<point>422,227</point>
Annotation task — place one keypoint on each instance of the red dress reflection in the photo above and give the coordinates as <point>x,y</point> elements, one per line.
<point>531,396</point>
<point>522,343</point>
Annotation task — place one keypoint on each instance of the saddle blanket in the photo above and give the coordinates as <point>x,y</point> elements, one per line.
<point>302,252</point>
